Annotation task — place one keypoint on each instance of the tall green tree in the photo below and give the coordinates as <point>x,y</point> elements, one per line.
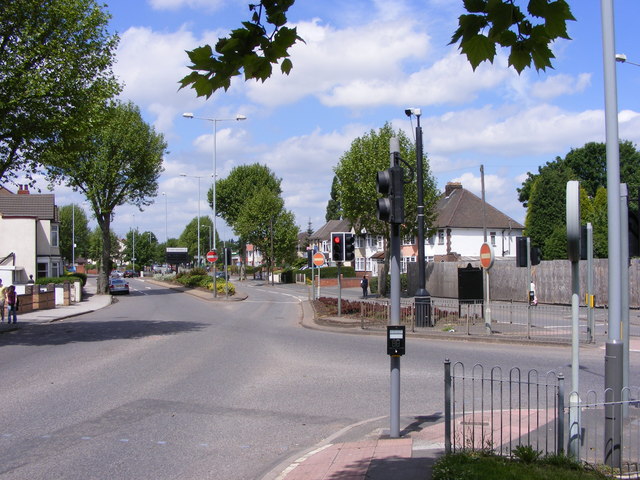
<point>117,162</point>
<point>73,224</point>
<point>56,61</point>
<point>189,236</point>
<point>265,223</point>
<point>546,209</point>
<point>143,245</point>
<point>242,183</point>
<point>334,211</point>
<point>264,41</point>
<point>357,171</point>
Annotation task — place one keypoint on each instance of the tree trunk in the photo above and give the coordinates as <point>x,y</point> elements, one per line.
<point>105,267</point>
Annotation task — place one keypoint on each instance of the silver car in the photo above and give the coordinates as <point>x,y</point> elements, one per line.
<point>118,285</point>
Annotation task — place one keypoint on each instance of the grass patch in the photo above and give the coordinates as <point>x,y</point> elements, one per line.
<point>487,466</point>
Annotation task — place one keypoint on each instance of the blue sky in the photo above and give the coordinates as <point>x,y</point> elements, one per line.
<point>363,64</point>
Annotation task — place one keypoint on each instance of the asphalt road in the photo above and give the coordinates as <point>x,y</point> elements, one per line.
<point>163,385</point>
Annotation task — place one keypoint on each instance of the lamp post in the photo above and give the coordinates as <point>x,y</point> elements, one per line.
<point>213,186</point>
<point>133,256</point>
<point>166,221</point>
<point>422,298</point>
<point>73,236</point>
<point>198,177</point>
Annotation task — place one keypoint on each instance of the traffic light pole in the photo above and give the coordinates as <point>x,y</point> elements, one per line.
<point>394,265</point>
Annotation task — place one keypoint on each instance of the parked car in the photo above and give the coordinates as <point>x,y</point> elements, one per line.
<point>221,275</point>
<point>116,274</point>
<point>118,285</point>
<point>128,274</point>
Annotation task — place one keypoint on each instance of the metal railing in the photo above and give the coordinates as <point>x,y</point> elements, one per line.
<point>498,413</point>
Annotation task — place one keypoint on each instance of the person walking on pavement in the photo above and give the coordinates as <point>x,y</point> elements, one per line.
<point>12,304</point>
<point>364,283</point>
<point>3,292</point>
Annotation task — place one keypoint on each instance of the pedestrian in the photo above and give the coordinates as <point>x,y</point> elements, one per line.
<point>12,304</point>
<point>364,283</point>
<point>3,291</point>
<point>30,281</point>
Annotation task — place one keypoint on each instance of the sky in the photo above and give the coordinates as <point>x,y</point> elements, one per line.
<point>363,64</point>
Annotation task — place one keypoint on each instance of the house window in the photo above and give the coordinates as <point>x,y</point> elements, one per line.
<point>361,263</point>
<point>409,240</point>
<point>380,242</point>
<point>432,240</point>
<point>360,241</point>
<point>43,270</point>
<point>440,237</point>
<point>56,269</point>
<point>405,261</point>
<point>325,246</point>
<point>54,235</point>
<point>493,238</point>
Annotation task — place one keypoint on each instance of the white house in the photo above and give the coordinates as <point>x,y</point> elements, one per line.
<point>460,227</point>
<point>29,236</point>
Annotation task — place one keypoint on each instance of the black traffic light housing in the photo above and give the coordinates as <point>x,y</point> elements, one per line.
<point>535,255</point>
<point>337,247</point>
<point>390,182</point>
<point>227,256</point>
<point>349,247</point>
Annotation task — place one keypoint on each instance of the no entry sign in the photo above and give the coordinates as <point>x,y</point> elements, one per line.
<point>212,256</point>
<point>318,259</point>
<point>486,256</point>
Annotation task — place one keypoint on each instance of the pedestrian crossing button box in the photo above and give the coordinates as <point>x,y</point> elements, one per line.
<point>395,340</point>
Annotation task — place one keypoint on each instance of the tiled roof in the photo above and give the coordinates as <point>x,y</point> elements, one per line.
<point>459,208</point>
<point>331,226</point>
<point>38,206</point>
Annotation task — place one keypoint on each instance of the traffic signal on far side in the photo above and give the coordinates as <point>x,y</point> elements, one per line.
<point>337,247</point>
<point>227,256</point>
<point>349,247</point>
<point>390,182</point>
<point>521,251</point>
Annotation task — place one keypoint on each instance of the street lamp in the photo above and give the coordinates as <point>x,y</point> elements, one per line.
<point>622,58</point>
<point>198,177</point>
<point>213,186</point>
<point>423,299</point>
<point>166,221</point>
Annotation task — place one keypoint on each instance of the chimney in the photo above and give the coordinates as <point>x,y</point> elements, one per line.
<point>23,189</point>
<point>451,186</point>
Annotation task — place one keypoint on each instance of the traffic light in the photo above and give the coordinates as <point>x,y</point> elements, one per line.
<point>309,258</point>
<point>227,256</point>
<point>349,247</point>
<point>337,247</point>
<point>390,182</point>
<point>521,251</point>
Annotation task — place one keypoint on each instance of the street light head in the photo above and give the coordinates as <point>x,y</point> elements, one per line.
<point>187,115</point>
<point>183,174</point>
<point>621,57</point>
<point>240,117</point>
<point>413,111</point>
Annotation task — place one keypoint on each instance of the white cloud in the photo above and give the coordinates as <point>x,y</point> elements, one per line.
<point>513,132</point>
<point>558,85</point>
<point>332,57</point>
<point>208,5</point>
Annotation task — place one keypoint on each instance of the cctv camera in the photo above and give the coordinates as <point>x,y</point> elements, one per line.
<point>413,111</point>
<point>407,112</point>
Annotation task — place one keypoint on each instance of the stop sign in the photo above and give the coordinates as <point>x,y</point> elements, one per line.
<point>212,256</point>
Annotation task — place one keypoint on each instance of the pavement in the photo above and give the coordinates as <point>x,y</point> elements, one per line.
<point>357,452</point>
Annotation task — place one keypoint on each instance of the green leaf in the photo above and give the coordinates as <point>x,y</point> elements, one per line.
<point>478,49</point>
<point>475,6</point>
<point>520,57</point>
<point>286,66</point>
<point>538,8</point>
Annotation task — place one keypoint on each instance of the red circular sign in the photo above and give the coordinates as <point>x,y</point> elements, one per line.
<point>212,256</point>
<point>486,255</point>
<point>318,259</point>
